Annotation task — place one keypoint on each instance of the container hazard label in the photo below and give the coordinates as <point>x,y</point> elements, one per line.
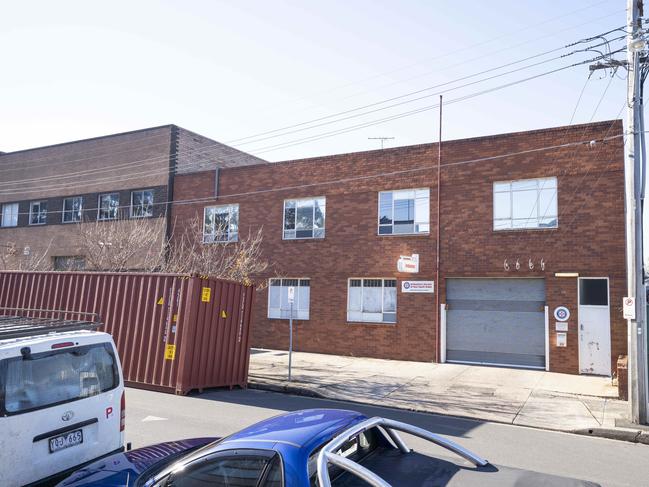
<point>206,294</point>
<point>161,300</point>
<point>170,352</point>
<point>223,314</point>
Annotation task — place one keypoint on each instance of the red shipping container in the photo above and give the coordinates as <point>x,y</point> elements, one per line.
<point>174,333</point>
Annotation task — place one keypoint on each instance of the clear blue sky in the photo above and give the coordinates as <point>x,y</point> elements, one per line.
<point>77,69</point>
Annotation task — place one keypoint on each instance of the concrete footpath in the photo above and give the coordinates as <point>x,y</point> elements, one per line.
<point>571,403</point>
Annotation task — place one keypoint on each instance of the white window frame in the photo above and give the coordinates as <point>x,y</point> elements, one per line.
<point>284,310</point>
<point>13,214</point>
<point>423,220</point>
<point>231,236</point>
<point>534,221</point>
<point>99,207</point>
<point>32,214</point>
<point>383,311</point>
<point>142,206</point>
<point>313,229</point>
<point>72,212</point>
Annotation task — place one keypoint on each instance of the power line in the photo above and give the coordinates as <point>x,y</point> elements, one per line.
<point>244,156</point>
<point>377,175</point>
<point>162,171</point>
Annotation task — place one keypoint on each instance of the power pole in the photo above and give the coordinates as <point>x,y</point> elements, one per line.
<point>633,203</point>
<point>633,170</point>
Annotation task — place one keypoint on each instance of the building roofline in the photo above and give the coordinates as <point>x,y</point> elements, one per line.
<point>59,144</point>
<point>480,138</point>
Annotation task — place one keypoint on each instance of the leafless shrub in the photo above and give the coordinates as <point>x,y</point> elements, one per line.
<point>123,244</point>
<point>239,260</point>
<point>24,259</point>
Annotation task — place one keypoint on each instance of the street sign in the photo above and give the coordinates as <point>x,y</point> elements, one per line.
<point>291,294</point>
<point>628,308</point>
<point>417,286</point>
<point>561,313</point>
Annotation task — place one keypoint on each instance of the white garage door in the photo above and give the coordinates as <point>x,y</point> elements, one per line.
<point>496,321</point>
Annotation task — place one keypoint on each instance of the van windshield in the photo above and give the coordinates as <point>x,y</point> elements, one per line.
<point>45,379</point>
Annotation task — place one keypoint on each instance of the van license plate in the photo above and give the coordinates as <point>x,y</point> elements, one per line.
<point>66,441</point>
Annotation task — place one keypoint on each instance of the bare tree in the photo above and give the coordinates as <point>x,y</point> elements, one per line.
<point>24,259</point>
<point>123,244</point>
<point>217,254</point>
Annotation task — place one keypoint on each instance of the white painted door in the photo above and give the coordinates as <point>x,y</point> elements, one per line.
<point>594,327</point>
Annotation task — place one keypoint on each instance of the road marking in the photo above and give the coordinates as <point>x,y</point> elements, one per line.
<point>153,418</point>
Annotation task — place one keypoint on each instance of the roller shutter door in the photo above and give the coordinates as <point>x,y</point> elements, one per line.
<point>496,321</point>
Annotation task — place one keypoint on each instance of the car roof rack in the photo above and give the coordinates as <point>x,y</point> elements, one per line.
<point>25,322</point>
<point>388,428</point>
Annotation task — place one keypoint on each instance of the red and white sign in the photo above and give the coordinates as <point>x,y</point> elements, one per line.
<point>417,286</point>
<point>408,263</point>
<point>628,308</point>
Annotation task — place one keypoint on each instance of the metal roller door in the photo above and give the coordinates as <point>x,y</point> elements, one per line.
<point>496,321</point>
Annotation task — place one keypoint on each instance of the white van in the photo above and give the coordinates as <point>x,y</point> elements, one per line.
<point>61,403</point>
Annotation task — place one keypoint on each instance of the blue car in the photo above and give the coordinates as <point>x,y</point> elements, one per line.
<point>314,447</point>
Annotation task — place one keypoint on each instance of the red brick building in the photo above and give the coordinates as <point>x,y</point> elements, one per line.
<point>528,226</point>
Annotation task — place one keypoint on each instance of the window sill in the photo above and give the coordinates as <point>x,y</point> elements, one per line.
<point>423,234</point>
<point>372,323</point>
<point>36,224</point>
<point>307,239</point>
<point>519,230</point>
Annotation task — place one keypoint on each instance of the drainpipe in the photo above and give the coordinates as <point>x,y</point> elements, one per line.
<point>439,226</point>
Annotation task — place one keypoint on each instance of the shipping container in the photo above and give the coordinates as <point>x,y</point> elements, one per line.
<point>174,333</point>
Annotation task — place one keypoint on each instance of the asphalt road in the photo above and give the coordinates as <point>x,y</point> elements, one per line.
<point>153,417</point>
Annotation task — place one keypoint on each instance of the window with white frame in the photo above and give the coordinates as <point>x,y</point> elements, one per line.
<point>405,211</point>
<point>278,304</point>
<point>142,203</point>
<point>304,218</point>
<point>528,203</point>
<point>372,300</point>
<point>72,209</point>
<point>221,223</point>
<point>10,215</point>
<point>108,206</point>
<point>38,213</point>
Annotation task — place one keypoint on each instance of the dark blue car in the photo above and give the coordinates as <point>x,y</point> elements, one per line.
<point>315,447</point>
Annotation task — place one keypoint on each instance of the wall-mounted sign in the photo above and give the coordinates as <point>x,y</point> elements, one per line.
<point>561,313</point>
<point>291,294</point>
<point>561,326</point>
<point>417,286</point>
<point>408,263</point>
<point>628,308</point>
<point>562,339</point>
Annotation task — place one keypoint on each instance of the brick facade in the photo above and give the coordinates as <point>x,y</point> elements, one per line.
<point>590,205</point>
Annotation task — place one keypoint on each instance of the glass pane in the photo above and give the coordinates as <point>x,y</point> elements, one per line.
<point>289,216</point>
<point>404,213</point>
<point>304,215</point>
<point>385,209</point>
<point>552,222</point>
<point>137,198</point>
<point>304,234</point>
<point>422,213</point>
<point>52,377</point>
<point>289,234</point>
<point>524,184</point>
<point>524,223</point>
<point>319,233</point>
<point>319,213</point>
<point>389,299</point>
<point>274,297</point>
<point>354,303</point>
<point>404,228</point>
<point>303,296</point>
<point>593,292</point>
<point>404,194</point>
<point>502,224</point>
<point>548,183</point>
<point>389,317</point>
<point>234,221</point>
<point>240,471</point>
<point>371,299</point>
<point>502,187</point>
<point>385,229</point>
<point>502,207</point>
<point>524,204</point>
<point>548,203</point>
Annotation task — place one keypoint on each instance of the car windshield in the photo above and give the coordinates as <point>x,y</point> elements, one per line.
<point>43,379</point>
